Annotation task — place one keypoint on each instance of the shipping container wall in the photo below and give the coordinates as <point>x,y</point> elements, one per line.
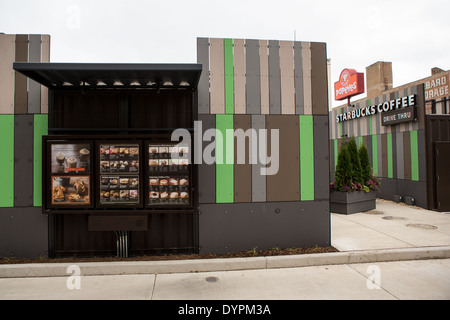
<point>23,122</point>
<point>268,103</point>
<point>397,153</point>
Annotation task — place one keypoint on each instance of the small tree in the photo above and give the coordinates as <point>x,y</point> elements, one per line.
<point>343,173</point>
<point>365,164</point>
<point>356,164</point>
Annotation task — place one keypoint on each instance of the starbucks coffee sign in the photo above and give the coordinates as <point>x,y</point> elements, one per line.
<point>400,107</point>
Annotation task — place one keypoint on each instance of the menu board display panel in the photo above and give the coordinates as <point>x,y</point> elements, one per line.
<point>119,174</point>
<point>70,158</point>
<point>70,190</point>
<point>168,175</point>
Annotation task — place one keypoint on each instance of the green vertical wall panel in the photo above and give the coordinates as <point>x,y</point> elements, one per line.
<point>40,129</point>
<point>414,156</point>
<point>7,161</point>
<point>224,159</point>
<point>390,156</point>
<point>229,76</point>
<point>306,158</point>
<point>375,154</point>
<point>360,141</point>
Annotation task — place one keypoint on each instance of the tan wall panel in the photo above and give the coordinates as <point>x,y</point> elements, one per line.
<point>7,57</point>
<point>306,64</point>
<point>45,57</point>
<point>217,80</point>
<point>264,71</point>
<point>239,76</point>
<point>287,77</point>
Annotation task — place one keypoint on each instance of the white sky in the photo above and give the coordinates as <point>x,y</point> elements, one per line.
<point>413,35</point>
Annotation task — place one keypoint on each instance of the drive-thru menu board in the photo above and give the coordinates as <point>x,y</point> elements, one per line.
<point>119,174</point>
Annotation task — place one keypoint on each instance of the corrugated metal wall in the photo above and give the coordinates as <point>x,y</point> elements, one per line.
<point>263,84</point>
<point>396,152</point>
<point>23,122</point>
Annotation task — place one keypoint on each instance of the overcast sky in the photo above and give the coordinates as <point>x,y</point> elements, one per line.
<point>413,35</point>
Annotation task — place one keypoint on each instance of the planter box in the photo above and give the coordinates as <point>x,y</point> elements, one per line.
<point>352,202</point>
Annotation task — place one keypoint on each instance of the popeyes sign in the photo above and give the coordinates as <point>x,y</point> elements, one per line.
<point>351,83</point>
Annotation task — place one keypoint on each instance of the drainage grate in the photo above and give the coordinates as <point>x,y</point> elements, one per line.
<point>394,218</point>
<point>211,279</point>
<point>421,226</point>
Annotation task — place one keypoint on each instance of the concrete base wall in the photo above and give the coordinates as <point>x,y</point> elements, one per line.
<point>404,188</point>
<point>236,227</point>
<point>23,232</point>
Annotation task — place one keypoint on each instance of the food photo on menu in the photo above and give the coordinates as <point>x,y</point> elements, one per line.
<point>119,159</point>
<point>119,189</point>
<point>70,158</point>
<point>70,190</point>
<point>166,190</point>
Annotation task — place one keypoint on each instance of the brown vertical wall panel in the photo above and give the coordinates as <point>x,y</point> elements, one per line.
<point>21,81</point>
<point>217,80</point>
<point>298,78</point>
<point>319,78</point>
<point>242,172</point>
<point>239,76</point>
<point>407,155</point>
<point>306,67</point>
<point>287,77</point>
<point>264,72</point>
<point>7,54</point>
<point>285,185</point>
<point>45,57</point>
<point>203,83</point>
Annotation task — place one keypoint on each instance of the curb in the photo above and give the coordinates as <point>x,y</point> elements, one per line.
<point>228,264</point>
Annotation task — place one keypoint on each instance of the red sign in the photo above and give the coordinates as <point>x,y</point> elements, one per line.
<point>351,83</point>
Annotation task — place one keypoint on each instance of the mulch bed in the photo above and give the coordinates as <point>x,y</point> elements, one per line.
<point>241,254</point>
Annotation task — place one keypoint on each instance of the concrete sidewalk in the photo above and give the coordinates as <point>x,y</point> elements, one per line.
<point>405,249</point>
<point>392,232</point>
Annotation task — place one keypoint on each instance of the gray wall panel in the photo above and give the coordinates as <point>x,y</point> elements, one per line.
<point>258,180</point>
<point>321,158</point>
<point>23,161</point>
<point>319,85</point>
<point>253,77</point>
<point>206,172</point>
<point>298,78</point>
<point>34,89</point>
<point>23,232</point>
<point>274,77</point>
<point>203,84</point>
<point>235,227</point>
